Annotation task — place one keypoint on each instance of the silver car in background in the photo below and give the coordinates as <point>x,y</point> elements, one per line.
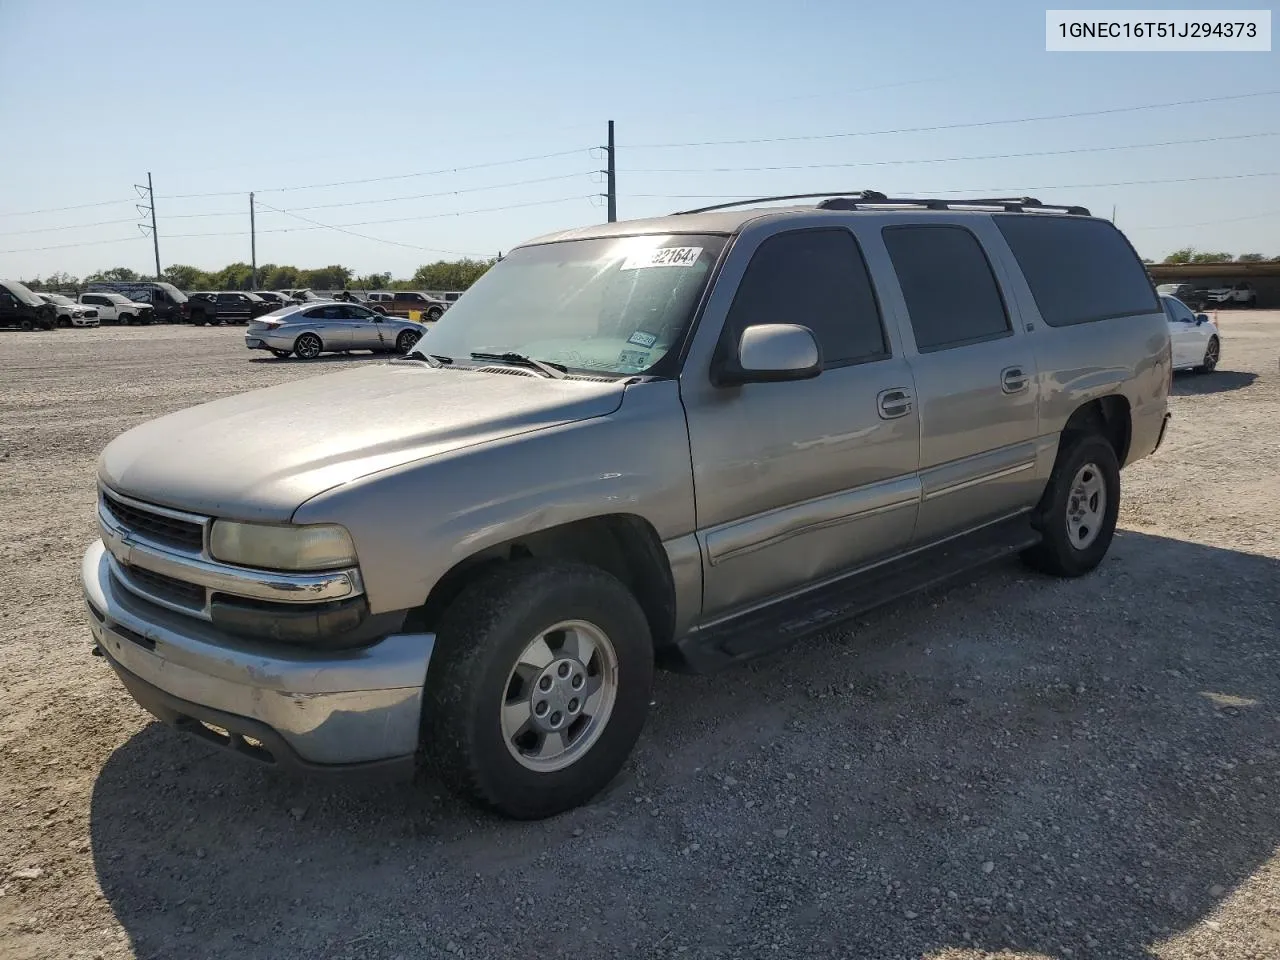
<point>310,329</point>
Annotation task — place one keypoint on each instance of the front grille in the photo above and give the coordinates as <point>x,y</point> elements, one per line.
<point>166,588</point>
<point>181,533</point>
<point>90,314</point>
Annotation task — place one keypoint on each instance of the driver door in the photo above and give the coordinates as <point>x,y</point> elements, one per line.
<point>368,331</point>
<point>1184,333</point>
<point>801,480</point>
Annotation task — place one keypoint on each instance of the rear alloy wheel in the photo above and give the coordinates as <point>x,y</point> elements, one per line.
<point>1211,356</point>
<point>307,346</point>
<point>407,339</point>
<point>1077,514</point>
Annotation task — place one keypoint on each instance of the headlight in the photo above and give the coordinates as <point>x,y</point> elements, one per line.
<point>318,547</point>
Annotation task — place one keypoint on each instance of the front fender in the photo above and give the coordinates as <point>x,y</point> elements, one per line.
<point>412,524</point>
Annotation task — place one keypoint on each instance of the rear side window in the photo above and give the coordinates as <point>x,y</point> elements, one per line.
<point>948,285</point>
<point>1079,270</point>
<point>816,278</point>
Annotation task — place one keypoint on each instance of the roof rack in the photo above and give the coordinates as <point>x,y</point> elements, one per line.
<point>862,199</point>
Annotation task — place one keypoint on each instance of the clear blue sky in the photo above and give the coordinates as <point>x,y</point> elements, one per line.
<point>235,96</point>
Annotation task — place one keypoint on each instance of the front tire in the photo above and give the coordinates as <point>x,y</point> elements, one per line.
<point>407,340</point>
<point>1212,353</point>
<point>539,687</point>
<point>1077,514</point>
<point>126,319</point>
<point>434,314</point>
<point>307,346</point>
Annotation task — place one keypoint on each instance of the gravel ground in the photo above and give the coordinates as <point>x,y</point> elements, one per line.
<point>1015,767</point>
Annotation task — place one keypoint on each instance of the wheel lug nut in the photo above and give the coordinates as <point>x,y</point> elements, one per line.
<point>544,684</point>
<point>540,708</point>
<point>577,681</point>
<point>573,705</point>
<point>564,670</point>
<point>556,718</point>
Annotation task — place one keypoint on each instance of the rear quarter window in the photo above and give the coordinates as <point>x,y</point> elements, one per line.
<point>1079,269</point>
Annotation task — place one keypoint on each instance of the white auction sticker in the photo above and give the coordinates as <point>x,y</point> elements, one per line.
<point>1131,31</point>
<point>663,257</point>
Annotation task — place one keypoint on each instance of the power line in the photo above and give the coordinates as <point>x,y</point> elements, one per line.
<point>444,193</point>
<point>67,246</point>
<point>987,156</point>
<point>1005,189</point>
<point>78,206</point>
<point>369,223</point>
<point>75,226</point>
<point>399,176</point>
<point>955,126</point>
<point>1209,223</point>
<point>365,236</point>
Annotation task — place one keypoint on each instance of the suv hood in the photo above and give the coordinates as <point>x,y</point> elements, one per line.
<point>260,455</point>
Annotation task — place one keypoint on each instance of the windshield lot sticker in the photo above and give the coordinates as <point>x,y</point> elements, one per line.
<point>642,339</point>
<point>664,257</point>
<point>633,359</point>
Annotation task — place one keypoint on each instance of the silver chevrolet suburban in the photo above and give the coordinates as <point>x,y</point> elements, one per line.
<point>683,441</point>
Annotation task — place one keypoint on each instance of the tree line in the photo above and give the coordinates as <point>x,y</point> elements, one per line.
<point>1192,255</point>
<point>441,275</point>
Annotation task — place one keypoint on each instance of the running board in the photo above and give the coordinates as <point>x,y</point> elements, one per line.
<point>765,629</point>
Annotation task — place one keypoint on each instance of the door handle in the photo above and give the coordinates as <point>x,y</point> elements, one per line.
<point>893,403</point>
<point>1013,380</point>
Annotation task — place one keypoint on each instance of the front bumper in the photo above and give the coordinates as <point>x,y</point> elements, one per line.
<point>292,707</point>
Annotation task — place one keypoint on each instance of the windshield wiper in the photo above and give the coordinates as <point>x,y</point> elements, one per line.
<point>554,370</point>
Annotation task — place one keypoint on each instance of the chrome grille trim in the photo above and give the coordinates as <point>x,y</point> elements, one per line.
<point>130,548</point>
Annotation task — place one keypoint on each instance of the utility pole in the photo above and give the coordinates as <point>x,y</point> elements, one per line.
<point>253,247</point>
<point>150,208</point>
<point>611,178</point>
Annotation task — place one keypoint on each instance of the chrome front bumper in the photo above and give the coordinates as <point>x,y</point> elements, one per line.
<point>303,708</point>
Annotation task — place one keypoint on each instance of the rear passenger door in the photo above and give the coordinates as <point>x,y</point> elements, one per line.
<point>975,376</point>
<point>330,321</point>
<point>800,480</point>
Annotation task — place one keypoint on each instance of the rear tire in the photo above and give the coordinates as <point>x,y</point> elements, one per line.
<point>308,346</point>
<point>498,645</point>
<point>1077,514</point>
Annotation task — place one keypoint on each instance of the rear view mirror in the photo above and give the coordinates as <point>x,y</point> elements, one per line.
<point>1201,318</point>
<point>770,353</point>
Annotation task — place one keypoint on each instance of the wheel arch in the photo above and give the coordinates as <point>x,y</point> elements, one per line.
<point>624,545</point>
<point>1109,416</point>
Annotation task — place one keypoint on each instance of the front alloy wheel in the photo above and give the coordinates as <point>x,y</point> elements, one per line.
<point>559,696</point>
<point>405,342</point>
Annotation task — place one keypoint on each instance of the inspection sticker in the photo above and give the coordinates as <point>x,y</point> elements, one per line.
<point>663,257</point>
<point>642,339</point>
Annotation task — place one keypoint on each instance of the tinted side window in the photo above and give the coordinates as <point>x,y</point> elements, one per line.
<point>816,278</point>
<point>1079,270</point>
<point>948,285</point>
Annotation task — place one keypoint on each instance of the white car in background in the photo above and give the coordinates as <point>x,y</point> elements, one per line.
<point>70,313</point>
<point>1196,343</point>
<point>117,308</point>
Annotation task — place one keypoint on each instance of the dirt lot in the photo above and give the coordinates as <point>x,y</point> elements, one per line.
<point>1016,767</point>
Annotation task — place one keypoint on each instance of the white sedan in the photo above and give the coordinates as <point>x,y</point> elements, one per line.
<point>1196,343</point>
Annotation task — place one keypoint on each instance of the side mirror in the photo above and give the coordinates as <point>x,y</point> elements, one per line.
<point>1201,318</point>
<point>771,353</point>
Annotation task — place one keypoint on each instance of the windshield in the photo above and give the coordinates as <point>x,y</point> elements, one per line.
<point>59,298</point>
<point>175,295</point>
<point>117,298</point>
<point>609,305</point>
<point>23,293</point>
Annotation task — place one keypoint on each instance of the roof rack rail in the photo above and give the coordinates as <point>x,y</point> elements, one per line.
<point>862,199</point>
